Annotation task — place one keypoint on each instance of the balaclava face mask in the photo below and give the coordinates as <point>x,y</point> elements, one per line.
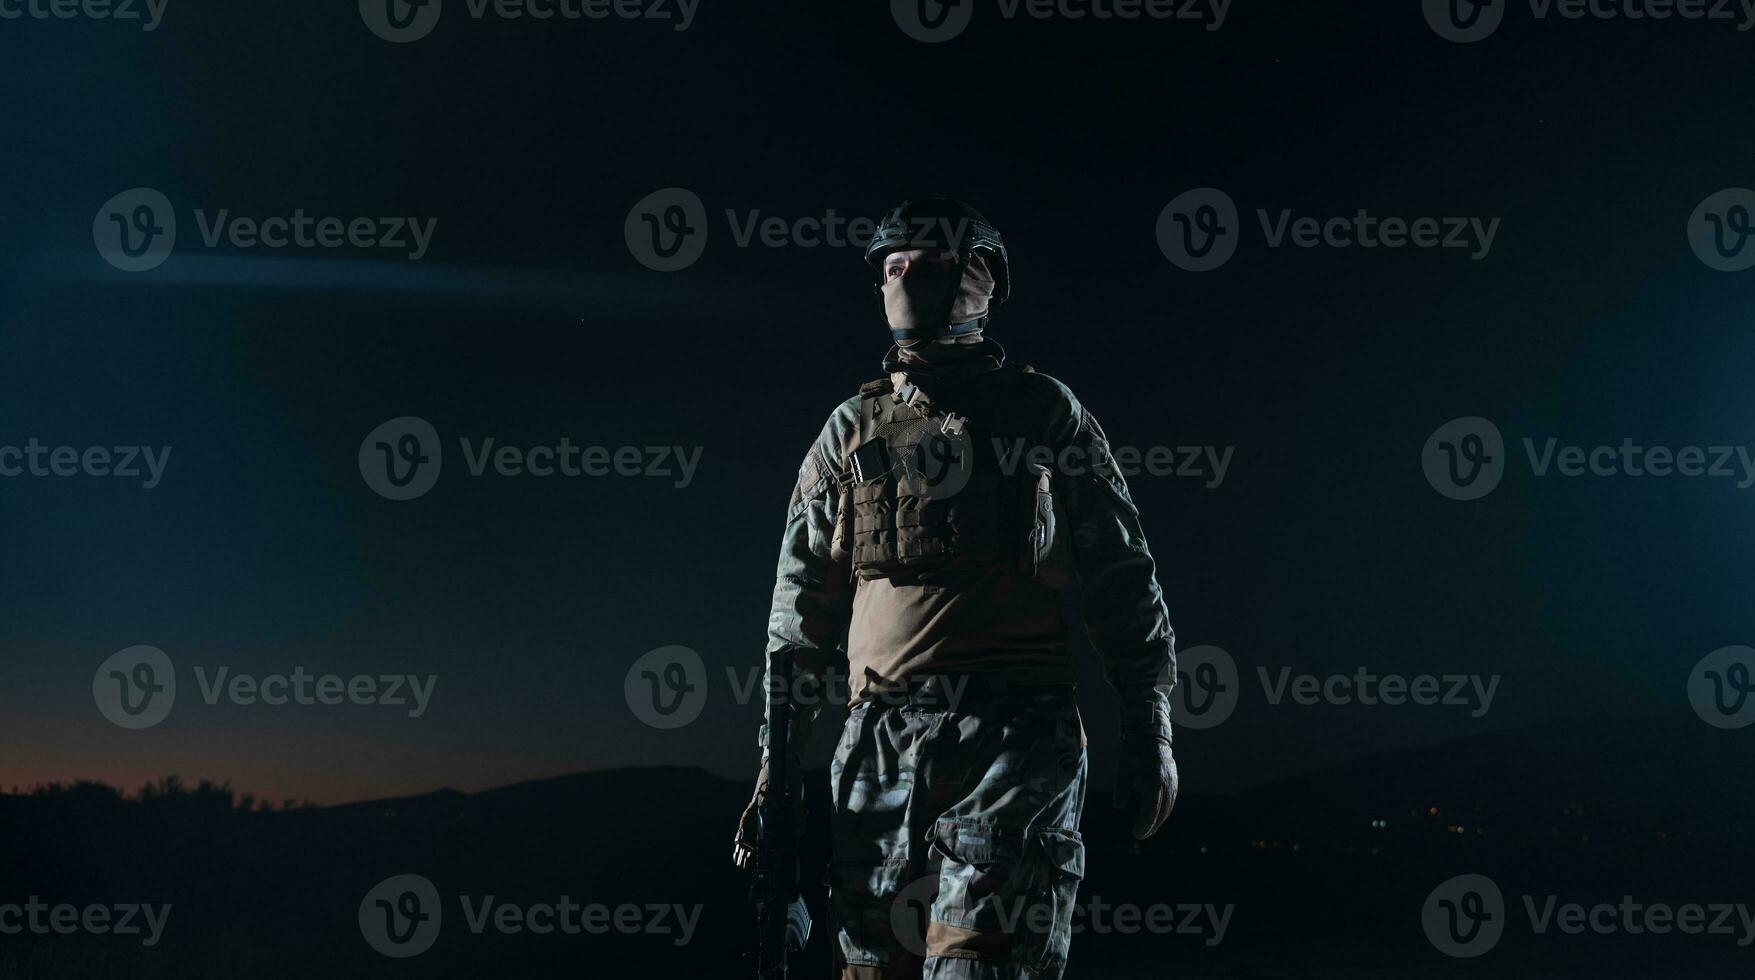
<point>923,305</point>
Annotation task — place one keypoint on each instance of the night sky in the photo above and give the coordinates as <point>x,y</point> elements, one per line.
<point>1589,320</point>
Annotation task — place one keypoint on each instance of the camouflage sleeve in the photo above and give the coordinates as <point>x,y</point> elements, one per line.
<point>813,593</point>
<point>1124,609</point>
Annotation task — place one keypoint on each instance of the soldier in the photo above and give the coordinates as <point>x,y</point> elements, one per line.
<point>925,553</point>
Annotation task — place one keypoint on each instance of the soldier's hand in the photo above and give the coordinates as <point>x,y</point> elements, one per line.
<point>743,843</point>
<point>748,836</point>
<point>1146,782</point>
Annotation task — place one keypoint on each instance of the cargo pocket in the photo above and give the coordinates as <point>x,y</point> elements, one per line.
<point>1056,883</point>
<point>968,525</point>
<point>871,527</point>
<point>841,538</point>
<point>981,876</point>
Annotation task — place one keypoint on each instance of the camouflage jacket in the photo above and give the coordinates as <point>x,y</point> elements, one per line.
<point>1002,623</point>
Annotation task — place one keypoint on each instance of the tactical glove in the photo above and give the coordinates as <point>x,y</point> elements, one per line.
<point>1146,782</point>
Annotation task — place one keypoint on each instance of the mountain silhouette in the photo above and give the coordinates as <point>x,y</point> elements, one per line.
<point>1326,873</point>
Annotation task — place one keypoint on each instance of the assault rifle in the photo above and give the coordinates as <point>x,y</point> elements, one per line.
<point>782,920</point>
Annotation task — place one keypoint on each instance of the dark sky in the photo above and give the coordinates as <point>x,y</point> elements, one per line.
<point>1590,320</point>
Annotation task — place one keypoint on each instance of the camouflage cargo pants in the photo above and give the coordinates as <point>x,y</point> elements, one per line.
<point>956,844</point>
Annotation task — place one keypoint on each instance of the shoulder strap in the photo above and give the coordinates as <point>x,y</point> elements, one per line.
<point>873,388</point>
<point>871,395</point>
